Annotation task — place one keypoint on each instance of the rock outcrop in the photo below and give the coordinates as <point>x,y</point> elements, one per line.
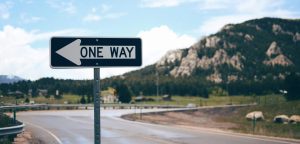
<point>295,119</point>
<point>273,49</point>
<point>281,119</point>
<point>236,51</point>
<point>258,115</point>
<point>279,60</point>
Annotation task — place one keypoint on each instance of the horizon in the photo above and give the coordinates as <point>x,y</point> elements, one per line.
<point>28,25</point>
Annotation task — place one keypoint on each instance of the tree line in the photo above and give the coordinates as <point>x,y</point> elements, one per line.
<point>182,86</point>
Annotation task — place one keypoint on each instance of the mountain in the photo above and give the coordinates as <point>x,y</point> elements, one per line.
<point>243,51</point>
<point>259,51</point>
<point>9,79</point>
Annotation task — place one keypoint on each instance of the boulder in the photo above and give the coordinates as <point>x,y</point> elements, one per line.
<point>191,105</point>
<point>281,119</point>
<point>257,115</point>
<point>295,119</point>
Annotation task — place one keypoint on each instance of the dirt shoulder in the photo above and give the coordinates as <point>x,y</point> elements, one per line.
<point>26,137</point>
<point>227,119</point>
<point>207,118</point>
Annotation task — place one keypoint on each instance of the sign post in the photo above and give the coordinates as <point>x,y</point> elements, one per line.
<point>76,52</point>
<point>97,123</point>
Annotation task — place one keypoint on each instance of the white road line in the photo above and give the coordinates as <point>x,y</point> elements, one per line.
<point>49,132</point>
<point>79,121</point>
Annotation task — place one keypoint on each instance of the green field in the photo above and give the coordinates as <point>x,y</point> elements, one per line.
<point>176,100</point>
<point>217,100</point>
<point>70,98</point>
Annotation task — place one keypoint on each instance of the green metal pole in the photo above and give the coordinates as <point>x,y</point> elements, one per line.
<point>254,123</point>
<point>15,118</point>
<point>97,123</point>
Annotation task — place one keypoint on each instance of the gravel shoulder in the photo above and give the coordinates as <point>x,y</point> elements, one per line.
<point>205,118</point>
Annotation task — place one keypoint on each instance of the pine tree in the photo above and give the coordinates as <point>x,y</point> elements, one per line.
<point>82,100</point>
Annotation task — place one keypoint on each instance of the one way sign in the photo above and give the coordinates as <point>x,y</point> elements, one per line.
<point>69,52</point>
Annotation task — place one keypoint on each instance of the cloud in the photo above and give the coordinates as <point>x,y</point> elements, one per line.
<point>26,19</point>
<point>64,6</point>
<point>92,17</point>
<point>97,14</point>
<point>238,11</point>
<point>105,8</point>
<point>18,57</point>
<point>155,43</point>
<point>158,40</point>
<point>4,9</point>
<point>214,4</point>
<point>164,3</point>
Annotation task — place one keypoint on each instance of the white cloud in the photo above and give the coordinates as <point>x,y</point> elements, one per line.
<point>242,11</point>
<point>214,24</point>
<point>92,17</point>
<point>155,43</point>
<point>18,57</point>
<point>4,9</point>
<point>158,40</point>
<point>97,14</point>
<point>214,4</point>
<point>164,3</point>
<point>105,8</point>
<point>25,18</point>
<point>64,6</point>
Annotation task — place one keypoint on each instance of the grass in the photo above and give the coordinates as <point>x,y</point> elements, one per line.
<point>270,105</point>
<point>70,98</point>
<point>5,121</point>
<point>176,100</point>
<point>217,100</point>
<point>267,127</point>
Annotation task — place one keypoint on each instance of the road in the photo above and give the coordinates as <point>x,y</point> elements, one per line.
<point>76,127</point>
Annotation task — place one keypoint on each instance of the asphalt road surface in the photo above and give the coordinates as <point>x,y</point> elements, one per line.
<point>76,127</point>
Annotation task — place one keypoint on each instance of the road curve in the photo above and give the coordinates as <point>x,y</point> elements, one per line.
<point>76,127</point>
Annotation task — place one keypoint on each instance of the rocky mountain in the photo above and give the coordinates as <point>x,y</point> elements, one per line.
<point>250,50</point>
<point>253,57</point>
<point>9,79</point>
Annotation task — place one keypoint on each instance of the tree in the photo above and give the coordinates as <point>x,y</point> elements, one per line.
<point>123,93</point>
<point>59,96</point>
<point>82,100</point>
<point>89,99</point>
<point>292,84</point>
<point>27,100</point>
<point>34,92</point>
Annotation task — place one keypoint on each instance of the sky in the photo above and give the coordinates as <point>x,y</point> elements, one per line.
<point>26,27</point>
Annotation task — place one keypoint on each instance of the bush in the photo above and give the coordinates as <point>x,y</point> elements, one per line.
<point>123,93</point>
<point>292,85</point>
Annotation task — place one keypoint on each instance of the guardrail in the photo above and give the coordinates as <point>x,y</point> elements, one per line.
<point>12,130</point>
<point>84,106</point>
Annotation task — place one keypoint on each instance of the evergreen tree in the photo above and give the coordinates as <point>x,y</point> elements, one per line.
<point>123,93</point>
<point>82,100</point>
<point>27,100</point>
<point>292,83</point>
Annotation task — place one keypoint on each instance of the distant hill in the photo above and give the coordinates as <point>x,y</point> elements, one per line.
<point>250,50</point>
<point>9,79</point>
<point>252,56</point>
